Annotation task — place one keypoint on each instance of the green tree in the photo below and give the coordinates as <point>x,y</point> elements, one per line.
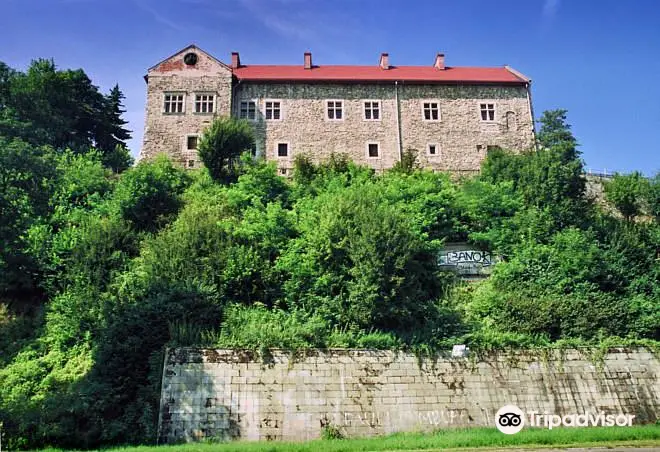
<point>653,197</point>
<point>627,193</point>
<point>63,109</point>
<point>111,136</point>
<point>221,145</point>
<point>550,178</point>
<point>27,181</point>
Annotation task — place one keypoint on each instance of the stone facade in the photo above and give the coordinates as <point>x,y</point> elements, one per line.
<point>167,133</point>
<point>460,137</point>
<point>234,394</point>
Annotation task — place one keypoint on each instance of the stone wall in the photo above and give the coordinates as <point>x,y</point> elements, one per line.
<point>462,138</point>
<point>237,395</point>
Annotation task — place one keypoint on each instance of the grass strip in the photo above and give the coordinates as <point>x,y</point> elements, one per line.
<point>641,435</point>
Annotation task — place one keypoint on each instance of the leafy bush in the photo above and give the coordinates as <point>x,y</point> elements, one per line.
<point>149,195</point>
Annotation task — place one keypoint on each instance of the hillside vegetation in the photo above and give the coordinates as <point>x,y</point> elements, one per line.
<point>101,266</point>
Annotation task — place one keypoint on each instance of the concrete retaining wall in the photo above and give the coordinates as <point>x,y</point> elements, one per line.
<point>233,394</point>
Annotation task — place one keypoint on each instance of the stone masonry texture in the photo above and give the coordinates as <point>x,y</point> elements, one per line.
<point>233,394</point>
<point>460,136</point>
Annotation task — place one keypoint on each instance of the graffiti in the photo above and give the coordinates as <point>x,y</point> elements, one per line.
<point>385,418</point>
<point>483,258</point>
<point>466,262</point>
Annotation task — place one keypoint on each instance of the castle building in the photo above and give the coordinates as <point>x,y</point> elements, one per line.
<point>451,115</point>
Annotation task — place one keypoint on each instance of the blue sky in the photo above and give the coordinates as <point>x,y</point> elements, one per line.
<point>600,60</point>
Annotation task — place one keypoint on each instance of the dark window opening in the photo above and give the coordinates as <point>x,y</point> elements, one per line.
<point>192,143</point>
<point>487,112</point>
<point>273,110</point>
<point>431,111</point>
<point>282,149</point>
<point>373,150</point>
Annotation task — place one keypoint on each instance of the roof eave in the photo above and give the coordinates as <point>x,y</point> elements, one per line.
<point>380,81</point>
<point>518,74</point>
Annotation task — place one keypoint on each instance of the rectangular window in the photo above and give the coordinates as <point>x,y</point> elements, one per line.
<point>431,111</point>
<point>372,150</point>
<point>173,103</point>
<point>191,163</point>
<point>433,150</point>
<point>487,112</point>
<point>204,103</point>
<point>248,110</point>
<point>273,110</point>
<point>372,110</point>
<point>282,149</point>
<point>191,142</point>
<point>335,110</point>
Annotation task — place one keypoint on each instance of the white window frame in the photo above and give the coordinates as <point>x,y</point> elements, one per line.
<point>185,144</point>
<point>256,109</point>
<point>364,109</point>
<point>277,150</point>
<point>213,103</point>
<point>437,150</point>
<point>487,102</point>
<point>183,102</point>
<point>327,107</point>
<point>281,108</point>
<point>431,101</point>
<point>366,150</point>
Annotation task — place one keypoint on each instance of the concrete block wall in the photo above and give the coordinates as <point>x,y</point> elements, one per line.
<point>232,394</point>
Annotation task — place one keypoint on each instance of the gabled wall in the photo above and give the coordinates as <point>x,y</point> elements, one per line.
<point>166,133</point>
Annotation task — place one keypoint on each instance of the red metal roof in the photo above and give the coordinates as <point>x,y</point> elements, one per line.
<point>356,74</point>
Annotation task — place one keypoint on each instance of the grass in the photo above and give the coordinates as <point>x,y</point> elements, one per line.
<point>646,435</point>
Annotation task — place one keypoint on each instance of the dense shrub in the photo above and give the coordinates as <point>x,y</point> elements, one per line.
<point>150,195</point>
<point>122,265</point>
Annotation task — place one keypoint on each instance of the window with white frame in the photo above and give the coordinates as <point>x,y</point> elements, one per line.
<point>173,102</point>
<point>373,150</point>
<point>433,150</point>
<point>204,103</point>
<point>282,149</point>
<point>487,112</point>
<point>372,110</point>
<point>431,111</point>
<point>191,142</point>
<point>273,110</point>
<point>335,109</point>
<point>248,110</point>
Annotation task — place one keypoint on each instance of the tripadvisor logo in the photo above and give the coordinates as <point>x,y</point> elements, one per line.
<point>510,419</point>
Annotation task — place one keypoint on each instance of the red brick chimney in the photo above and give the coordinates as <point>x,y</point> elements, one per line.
<point>439,61</point>
<point>308,60</point>
<point>235,60</point>
<point>384,61</point>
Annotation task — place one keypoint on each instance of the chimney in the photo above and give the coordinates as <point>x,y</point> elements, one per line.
<point>439,61</point>
<point>235,60</point>
<point>384,61</point>
<point>308,60</point>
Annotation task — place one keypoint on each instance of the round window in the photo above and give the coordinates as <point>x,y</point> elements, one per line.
<point>190,59</point>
